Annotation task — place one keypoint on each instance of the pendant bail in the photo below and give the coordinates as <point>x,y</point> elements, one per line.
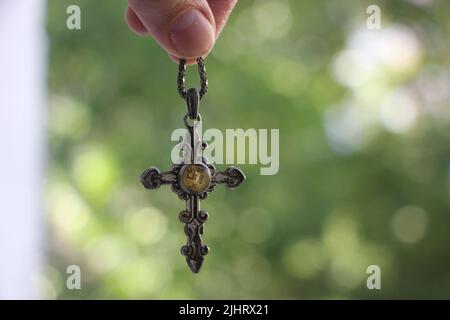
<point>192,101</point>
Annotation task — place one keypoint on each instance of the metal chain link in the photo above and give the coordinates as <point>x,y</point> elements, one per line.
<point>201,72</point>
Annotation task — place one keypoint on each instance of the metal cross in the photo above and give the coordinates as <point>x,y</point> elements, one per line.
<point>193,178</point>
<point>192,183</point>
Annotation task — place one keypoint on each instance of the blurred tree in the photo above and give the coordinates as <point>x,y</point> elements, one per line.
<point>364,123</point>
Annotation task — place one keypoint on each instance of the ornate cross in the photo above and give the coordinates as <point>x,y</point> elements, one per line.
<point>193,178</point>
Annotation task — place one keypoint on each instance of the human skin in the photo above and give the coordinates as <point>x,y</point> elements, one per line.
<point>185,29</point>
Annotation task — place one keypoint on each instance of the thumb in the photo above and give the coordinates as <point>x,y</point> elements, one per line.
<point>184,28</point>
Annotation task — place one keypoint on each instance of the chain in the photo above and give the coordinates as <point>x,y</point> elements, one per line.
<point>201,72</point>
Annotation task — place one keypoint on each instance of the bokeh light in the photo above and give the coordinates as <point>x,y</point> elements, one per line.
<point>364,175</point>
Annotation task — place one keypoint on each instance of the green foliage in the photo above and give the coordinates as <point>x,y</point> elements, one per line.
<point>364,158</point>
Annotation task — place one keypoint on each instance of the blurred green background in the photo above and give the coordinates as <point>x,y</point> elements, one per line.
<point>364,179</point>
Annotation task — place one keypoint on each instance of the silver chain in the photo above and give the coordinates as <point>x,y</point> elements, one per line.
<point>201,72</point>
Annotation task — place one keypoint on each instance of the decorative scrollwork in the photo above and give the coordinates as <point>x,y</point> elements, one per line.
<point>235,177</point>
<point>186,216</point>
<point>151,178</point>
<point>202,216</point>
<point>194,250</point>
<point>180,193</point>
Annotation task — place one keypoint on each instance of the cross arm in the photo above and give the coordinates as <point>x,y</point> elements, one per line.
<point>153,178</point>
<point>231,177</point>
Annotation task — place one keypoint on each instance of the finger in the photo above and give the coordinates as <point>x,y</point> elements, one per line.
<point>221,10</point>
<point>134,22</point>
<point>184,28</point>
<point>177,60</point>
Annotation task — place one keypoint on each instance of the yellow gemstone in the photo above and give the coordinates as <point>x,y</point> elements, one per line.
<point>195,178</point>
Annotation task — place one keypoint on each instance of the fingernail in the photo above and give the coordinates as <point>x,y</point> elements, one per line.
<point>192,34</point>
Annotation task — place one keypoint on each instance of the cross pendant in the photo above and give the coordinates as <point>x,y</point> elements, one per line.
<point>192,179</point>
<point>192,183</point>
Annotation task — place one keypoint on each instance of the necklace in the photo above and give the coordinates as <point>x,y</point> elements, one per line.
<point>194,177</point>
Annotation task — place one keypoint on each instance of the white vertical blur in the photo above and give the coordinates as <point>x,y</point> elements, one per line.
<point>22,97</point>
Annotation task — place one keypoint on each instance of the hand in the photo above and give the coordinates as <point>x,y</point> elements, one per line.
<point>184,28</point>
